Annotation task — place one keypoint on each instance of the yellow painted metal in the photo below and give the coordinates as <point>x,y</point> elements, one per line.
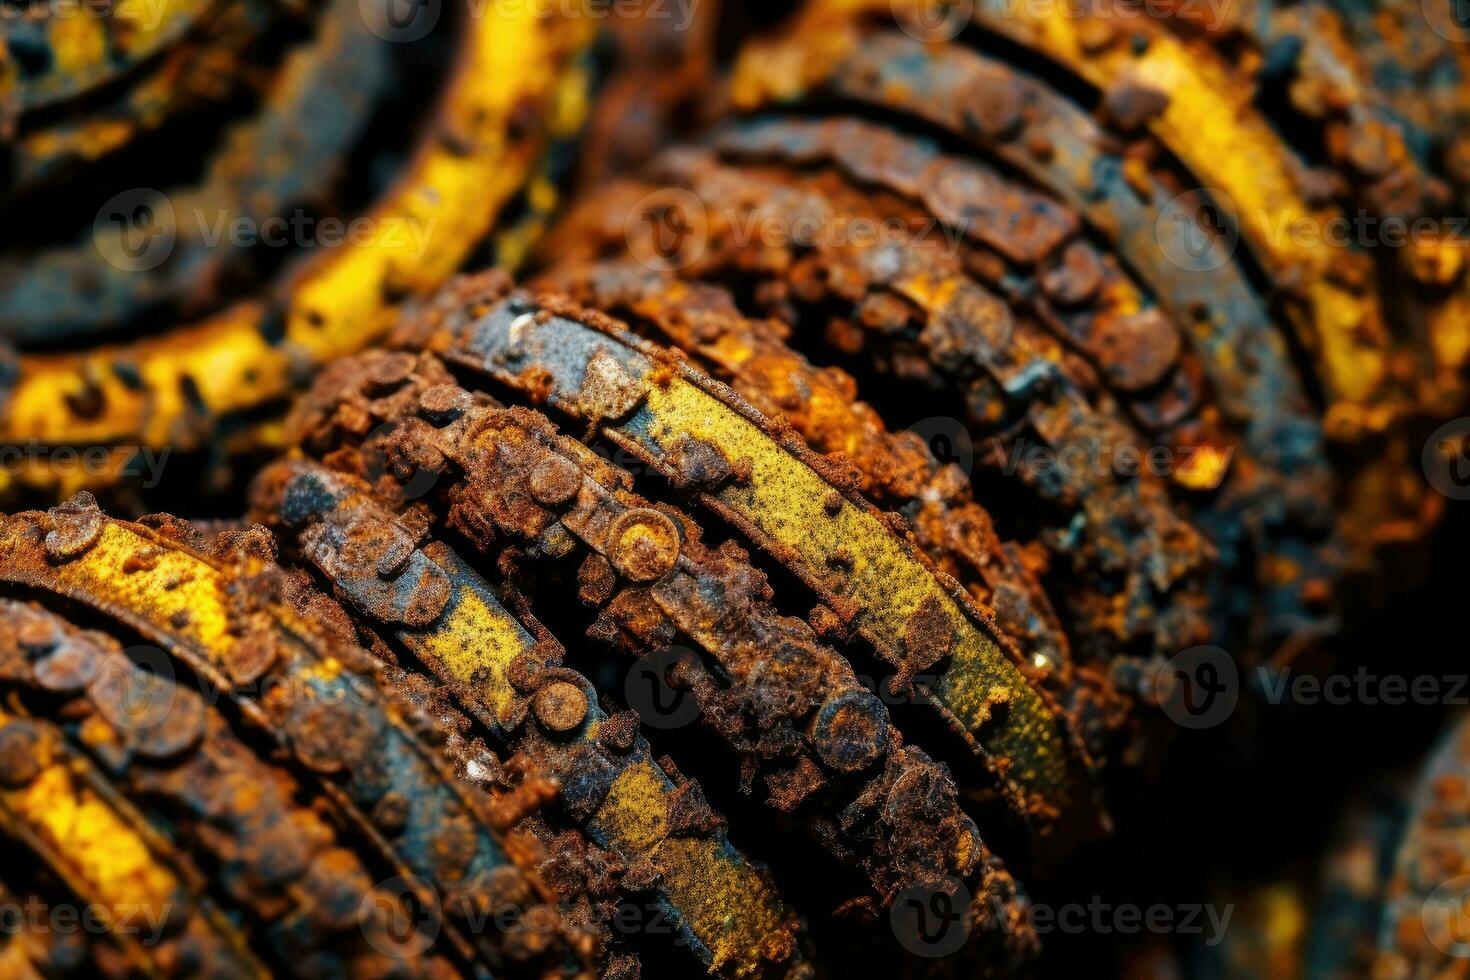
<point>730,907</point>
<point>1209,122</point>
<point>423,229</point>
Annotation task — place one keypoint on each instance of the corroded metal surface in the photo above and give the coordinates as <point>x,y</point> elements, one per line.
<point>1093,274</point>
<point>50,54</point>
<point>898,471</point>
<point>926,315</point>
<point>212,62</point>
<point>59,807</point>
<point>1422,927</point>
<point>698,452</point>
<point>1373,360</point>
<point>799,507</point>
<point>380,747</point>
<point>516,84</point>
<point>284,156</point>
<point>821,744</point>
<point>509,672</point>
<point>1282,498</point>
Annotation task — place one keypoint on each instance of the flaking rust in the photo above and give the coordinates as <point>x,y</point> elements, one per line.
<point>1100,238</point>
<point>794,505</point>
<point>821,745</point>
<point>897,471</point>
<point>1155,229</point>
<point>929,319</point>
<point>508,671</point>
<point>382,751</point>
<point>945,84</point>
<point>152,738</point>
<point>235,345</point>
<point>56,805</point>
<point>1075,307</point>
